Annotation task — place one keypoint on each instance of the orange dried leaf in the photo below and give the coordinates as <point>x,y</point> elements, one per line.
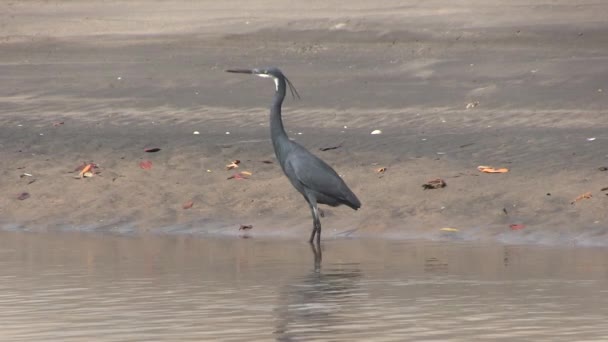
<point>586,195</point>
<point>490,169</point>
<point>85,170</point>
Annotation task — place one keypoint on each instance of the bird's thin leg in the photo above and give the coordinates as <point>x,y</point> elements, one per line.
<point>316,250</point>
<point>316,223</point>
<point>315,213</point>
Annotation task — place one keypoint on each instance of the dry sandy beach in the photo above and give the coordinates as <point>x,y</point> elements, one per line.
<point>123,76</point>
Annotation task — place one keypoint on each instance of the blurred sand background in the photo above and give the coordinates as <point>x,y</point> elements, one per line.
<point>123,76</point>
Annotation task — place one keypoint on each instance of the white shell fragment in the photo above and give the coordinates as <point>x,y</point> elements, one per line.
<point>196,132</point>
<point>377,131</point>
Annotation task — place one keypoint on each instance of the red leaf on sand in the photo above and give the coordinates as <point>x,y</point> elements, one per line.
<point>23,196</point>
<point>188,204</point>
<point>145,164</point>
<point>517,226</point>
<point>152,149</point>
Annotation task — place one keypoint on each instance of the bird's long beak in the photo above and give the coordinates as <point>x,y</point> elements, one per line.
<point>240,71</point>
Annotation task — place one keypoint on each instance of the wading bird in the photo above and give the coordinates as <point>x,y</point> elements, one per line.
<point>312,177</point>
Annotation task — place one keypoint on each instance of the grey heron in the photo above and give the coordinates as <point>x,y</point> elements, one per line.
<point>311,176</point>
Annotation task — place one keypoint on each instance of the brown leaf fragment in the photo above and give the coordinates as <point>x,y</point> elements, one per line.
<point>188,204</point>
<point>603,168</point>
<point>152,149</point>
<point>245,227</point>
<point>586,195</point>
<point>145,164</point>
<point>23,196</point>
<point>604,189</point>
<point>267,161</point>
<point>381,170</point>
<point>330,148</point>
<point>233,164</point>
<point>434,184</point>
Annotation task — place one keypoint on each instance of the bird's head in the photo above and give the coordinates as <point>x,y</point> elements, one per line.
<point>271,72</point>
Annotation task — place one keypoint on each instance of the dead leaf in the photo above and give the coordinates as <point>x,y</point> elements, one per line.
<point>145,164</point>
<point>87,170</point>
<point>434,184</point>
<point>517,226</point>
<point>604,189</point>
<point>240,175</point>
<point>152,149</point>
<point>233,164</point>
<point>23,196</point>
<point>245,227</point>
<point>490,169</point>
<point>586,195</point>
<point>381,170</point>
<point>267,161</point>
<point>330,148</point>
<point>188,205</point>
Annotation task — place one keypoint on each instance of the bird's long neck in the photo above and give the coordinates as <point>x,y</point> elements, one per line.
<point>277,131</point>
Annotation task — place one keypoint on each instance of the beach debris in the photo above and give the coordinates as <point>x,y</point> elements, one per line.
<point>591,139</point>
<point>240,175</point>
<point>188,204</point>
<point>246,227</point>
<point>227,133</point>
<point>267,161</point>
<point>437,183</point>
<point>603,168</point>
<point>504,210</point>
<point>377,131</point>
<point>32,181</point>
<point>196,132</point>
<point>466,145</point>
<point>233,164</point>
<point>152,149</point>
<point>381,170</point>
<point>25,175</point>
<point>586,195</point>
<point>145,164</point>
<point>472,104</point>
<point>449,230</point>
<point>490,169</point>
<point>517,226</point>
<point>57,123</point>
<point>604,189</point>
<point>23,196</point>
<point>86,170</point>
<point>330,147</point>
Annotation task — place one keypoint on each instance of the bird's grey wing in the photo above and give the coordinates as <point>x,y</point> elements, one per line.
<point>314,174</point>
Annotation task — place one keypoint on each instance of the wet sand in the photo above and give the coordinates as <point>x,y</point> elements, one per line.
<point>85,287</point>
<point>126,75</point>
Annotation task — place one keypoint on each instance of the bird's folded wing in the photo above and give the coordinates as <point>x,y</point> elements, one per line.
<point>316,175</point>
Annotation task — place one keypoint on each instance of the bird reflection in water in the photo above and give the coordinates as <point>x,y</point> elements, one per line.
<point>317,302</point>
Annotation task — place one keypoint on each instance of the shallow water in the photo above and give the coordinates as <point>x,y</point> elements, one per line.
<point>79,287</point>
